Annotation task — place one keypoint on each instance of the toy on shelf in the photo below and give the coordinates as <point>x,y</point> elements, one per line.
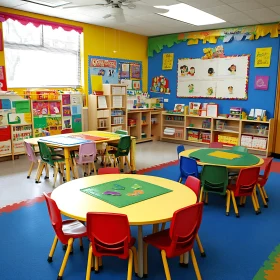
<point>194,108</point>
<point>193,135</point>
<point>131,122</point>
<point>235,112</point>
<point>206,123</point>
<point>205,137</point>
<point>257,114</point>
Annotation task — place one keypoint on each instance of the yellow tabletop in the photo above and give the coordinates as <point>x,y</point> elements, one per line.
<point>186,153</point>
<point>76,204</point>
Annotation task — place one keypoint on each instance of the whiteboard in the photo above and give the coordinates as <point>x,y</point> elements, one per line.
<point>220,78</point>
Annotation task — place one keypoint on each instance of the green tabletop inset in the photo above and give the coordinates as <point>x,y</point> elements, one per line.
<point>225,157</point>
<point>131,186</point>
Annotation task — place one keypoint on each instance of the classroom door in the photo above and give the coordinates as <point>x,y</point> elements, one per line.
<point>276,139</point>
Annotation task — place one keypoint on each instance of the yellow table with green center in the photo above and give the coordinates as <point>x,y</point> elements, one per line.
<point>154,208</point>
<point>223,157</point>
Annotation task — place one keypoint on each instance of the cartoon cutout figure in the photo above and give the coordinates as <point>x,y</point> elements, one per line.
<point>230,89</point>
<point>179,108</point>
<point>191,88</point>
<point>211,72</point>
<point>232,69</point>
<point>184,70</point>
<point>192,71</point>
<point>210,91</point>
<point>101,72</point>
<point>220,51</point>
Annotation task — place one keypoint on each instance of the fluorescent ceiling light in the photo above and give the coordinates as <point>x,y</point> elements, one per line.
<point>48,3</point>
<point>189,14</point>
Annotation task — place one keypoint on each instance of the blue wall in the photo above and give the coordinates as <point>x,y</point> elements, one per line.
<point>256,98</point>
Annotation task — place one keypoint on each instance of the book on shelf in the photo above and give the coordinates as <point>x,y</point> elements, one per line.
<point>102,103</point>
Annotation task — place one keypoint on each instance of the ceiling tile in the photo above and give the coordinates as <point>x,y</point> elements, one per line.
<point>202,4</point>
<point>263,15</point>
<point>11,4</point>
<point>160,2</point>
<point>234,16</point>
<point>220,10</point>
<point>269,3</point>
<point>233,1</point>
<point>246,6</point>
<point>157,19</point>
<point>276,9</point>
<point>244,22</point>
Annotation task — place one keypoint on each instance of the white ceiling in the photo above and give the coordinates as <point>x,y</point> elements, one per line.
<point>234,12</point>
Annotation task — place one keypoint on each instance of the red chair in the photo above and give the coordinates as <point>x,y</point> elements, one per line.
<point>66,231</point>
<point>109,235</point>
<point>66,130</point>
<point>216,145</point>
<point>262,181</point>
<point>108,170</point>
<point>177,240</point>
<point>245,186</point>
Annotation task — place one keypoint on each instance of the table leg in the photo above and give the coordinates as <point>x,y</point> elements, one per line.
<point>67,165</point>
<point>140,251</point>
<point>132,155</point>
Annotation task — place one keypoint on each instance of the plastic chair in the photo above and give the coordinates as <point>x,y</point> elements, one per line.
<point>180,149</point>
<point>108,170</point>
<point>66,231</point>
<point>47,157</point>
<point>66,130</point>
<point>239,149</point>
<point>217,145</point>
<point>33,159</point>
<point>109,235</point>
<point>87,154</point>
<point>121,152</point>
<point>262,181</point>
<point>245,186</point>
<point>188,166</point>
<point>214,179</point>
<point>177,240</point>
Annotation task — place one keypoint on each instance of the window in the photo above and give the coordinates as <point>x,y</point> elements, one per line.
<point>41,56</point>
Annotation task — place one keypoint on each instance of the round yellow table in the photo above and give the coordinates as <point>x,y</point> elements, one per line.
<point>186,153</point>
<point>76,204</point>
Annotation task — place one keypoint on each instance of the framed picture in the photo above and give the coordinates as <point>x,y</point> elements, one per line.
<point>212,110</point>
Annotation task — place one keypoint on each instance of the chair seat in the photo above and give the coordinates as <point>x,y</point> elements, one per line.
<point>232,187</point>
<point>74,228</point>
<point>160,240</point>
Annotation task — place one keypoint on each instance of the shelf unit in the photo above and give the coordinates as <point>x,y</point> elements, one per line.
<point>108,112</point>
<point>230,131</point>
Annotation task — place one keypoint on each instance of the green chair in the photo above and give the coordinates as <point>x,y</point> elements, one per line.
<point>121,133</point>
<point>55,160</point>
<point>240,149</point>
<point>121,152</point>
<point>214,179</point>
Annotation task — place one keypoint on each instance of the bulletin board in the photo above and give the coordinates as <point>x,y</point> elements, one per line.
<point>116,71</point>
<point>218,78</point>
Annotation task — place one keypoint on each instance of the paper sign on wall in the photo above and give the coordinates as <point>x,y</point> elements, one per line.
<point>263,56</point>
<point>167,61</point>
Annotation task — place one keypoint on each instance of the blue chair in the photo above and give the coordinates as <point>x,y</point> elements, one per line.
<point>188,167</point>
<point>180,148</point>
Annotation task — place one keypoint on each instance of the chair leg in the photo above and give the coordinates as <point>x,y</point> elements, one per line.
<point>81,244</point>
<point>65,259</point>
<point>88,169</point>
<point>200,246</point>
<point>241,201</point>
<point>196,268</point>
<point>201,194</point>
<point>55,173</point>
<point>94,168</point>
<point>30,170</point>
<point>234,204</point>
<point>255,204</point>
<point>39,171</point>
<point>47,176</point>
<point>96,265</point>
<point>206,198</point>
<point>145,253</point>
<point>256,198</point>
<point>89,263</point>
<point>265,194</point>
<point>165,265</point>
<point>162,226</point>
<point>228,203</point>
<point>155,228</point>
<point>130,265</point>
<point>71,167</point>
<point>121,163</point>
<point>262,196</point>
<point>52,249</point>
<point>76,169</point>
<point>135,260</point>
<point>127,162</point>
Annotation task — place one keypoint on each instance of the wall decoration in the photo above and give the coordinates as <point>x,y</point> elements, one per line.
<point>136,85</point>
<point>216,52</point>
<point>66,111</point>
<point>221,78</point>
<point>179,108</point>
<point>127,83</point>
<point>160,84</point>
<point>135,70</point>
<point>124,71</point>
<point>3,81</point>
<point>65,99</point>
<point>261,82</point>
<point>167,61</point>
<point>263,56</point>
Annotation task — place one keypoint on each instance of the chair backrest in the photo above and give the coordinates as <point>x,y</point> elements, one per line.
<point>265,176</point>
<point>55,218</point>
<point>188,167</point>
<point>108,170</point>
<point>180,149</point>
<point>66,130</point>
<point>194,184</point>
<point>214,179</point>
<point>246,181</point>
<point>30,152</point>
<point>239,149</point>
<point>121,132</point>
<point>109,234</point>
<point>184,226</point>
<point>87,153</point>
<point>123,146</point>
<point>45,153</point>
<point>216,145</point>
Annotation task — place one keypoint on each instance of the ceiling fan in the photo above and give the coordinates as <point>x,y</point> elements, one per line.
<point>115,8</point>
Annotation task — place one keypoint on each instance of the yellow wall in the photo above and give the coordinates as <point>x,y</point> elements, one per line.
<point>101,41</point>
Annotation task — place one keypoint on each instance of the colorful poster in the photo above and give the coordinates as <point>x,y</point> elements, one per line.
<point>40,108</point>
<point>76,110</point>
<point>22,106</point>
<point>77,123</point>
<point>261,82</point>
<point>5,104</point>
<point>124,71</point>
<point>167,61</point>
<point>136,85</point>
<point>263,56</point>
<point>66,111</point>
<point>135,70</point>
<point>65,99</point>
<point>127,83</point>
<point>160,84</point>
<point>54,107</point>
<point>40,122</point>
